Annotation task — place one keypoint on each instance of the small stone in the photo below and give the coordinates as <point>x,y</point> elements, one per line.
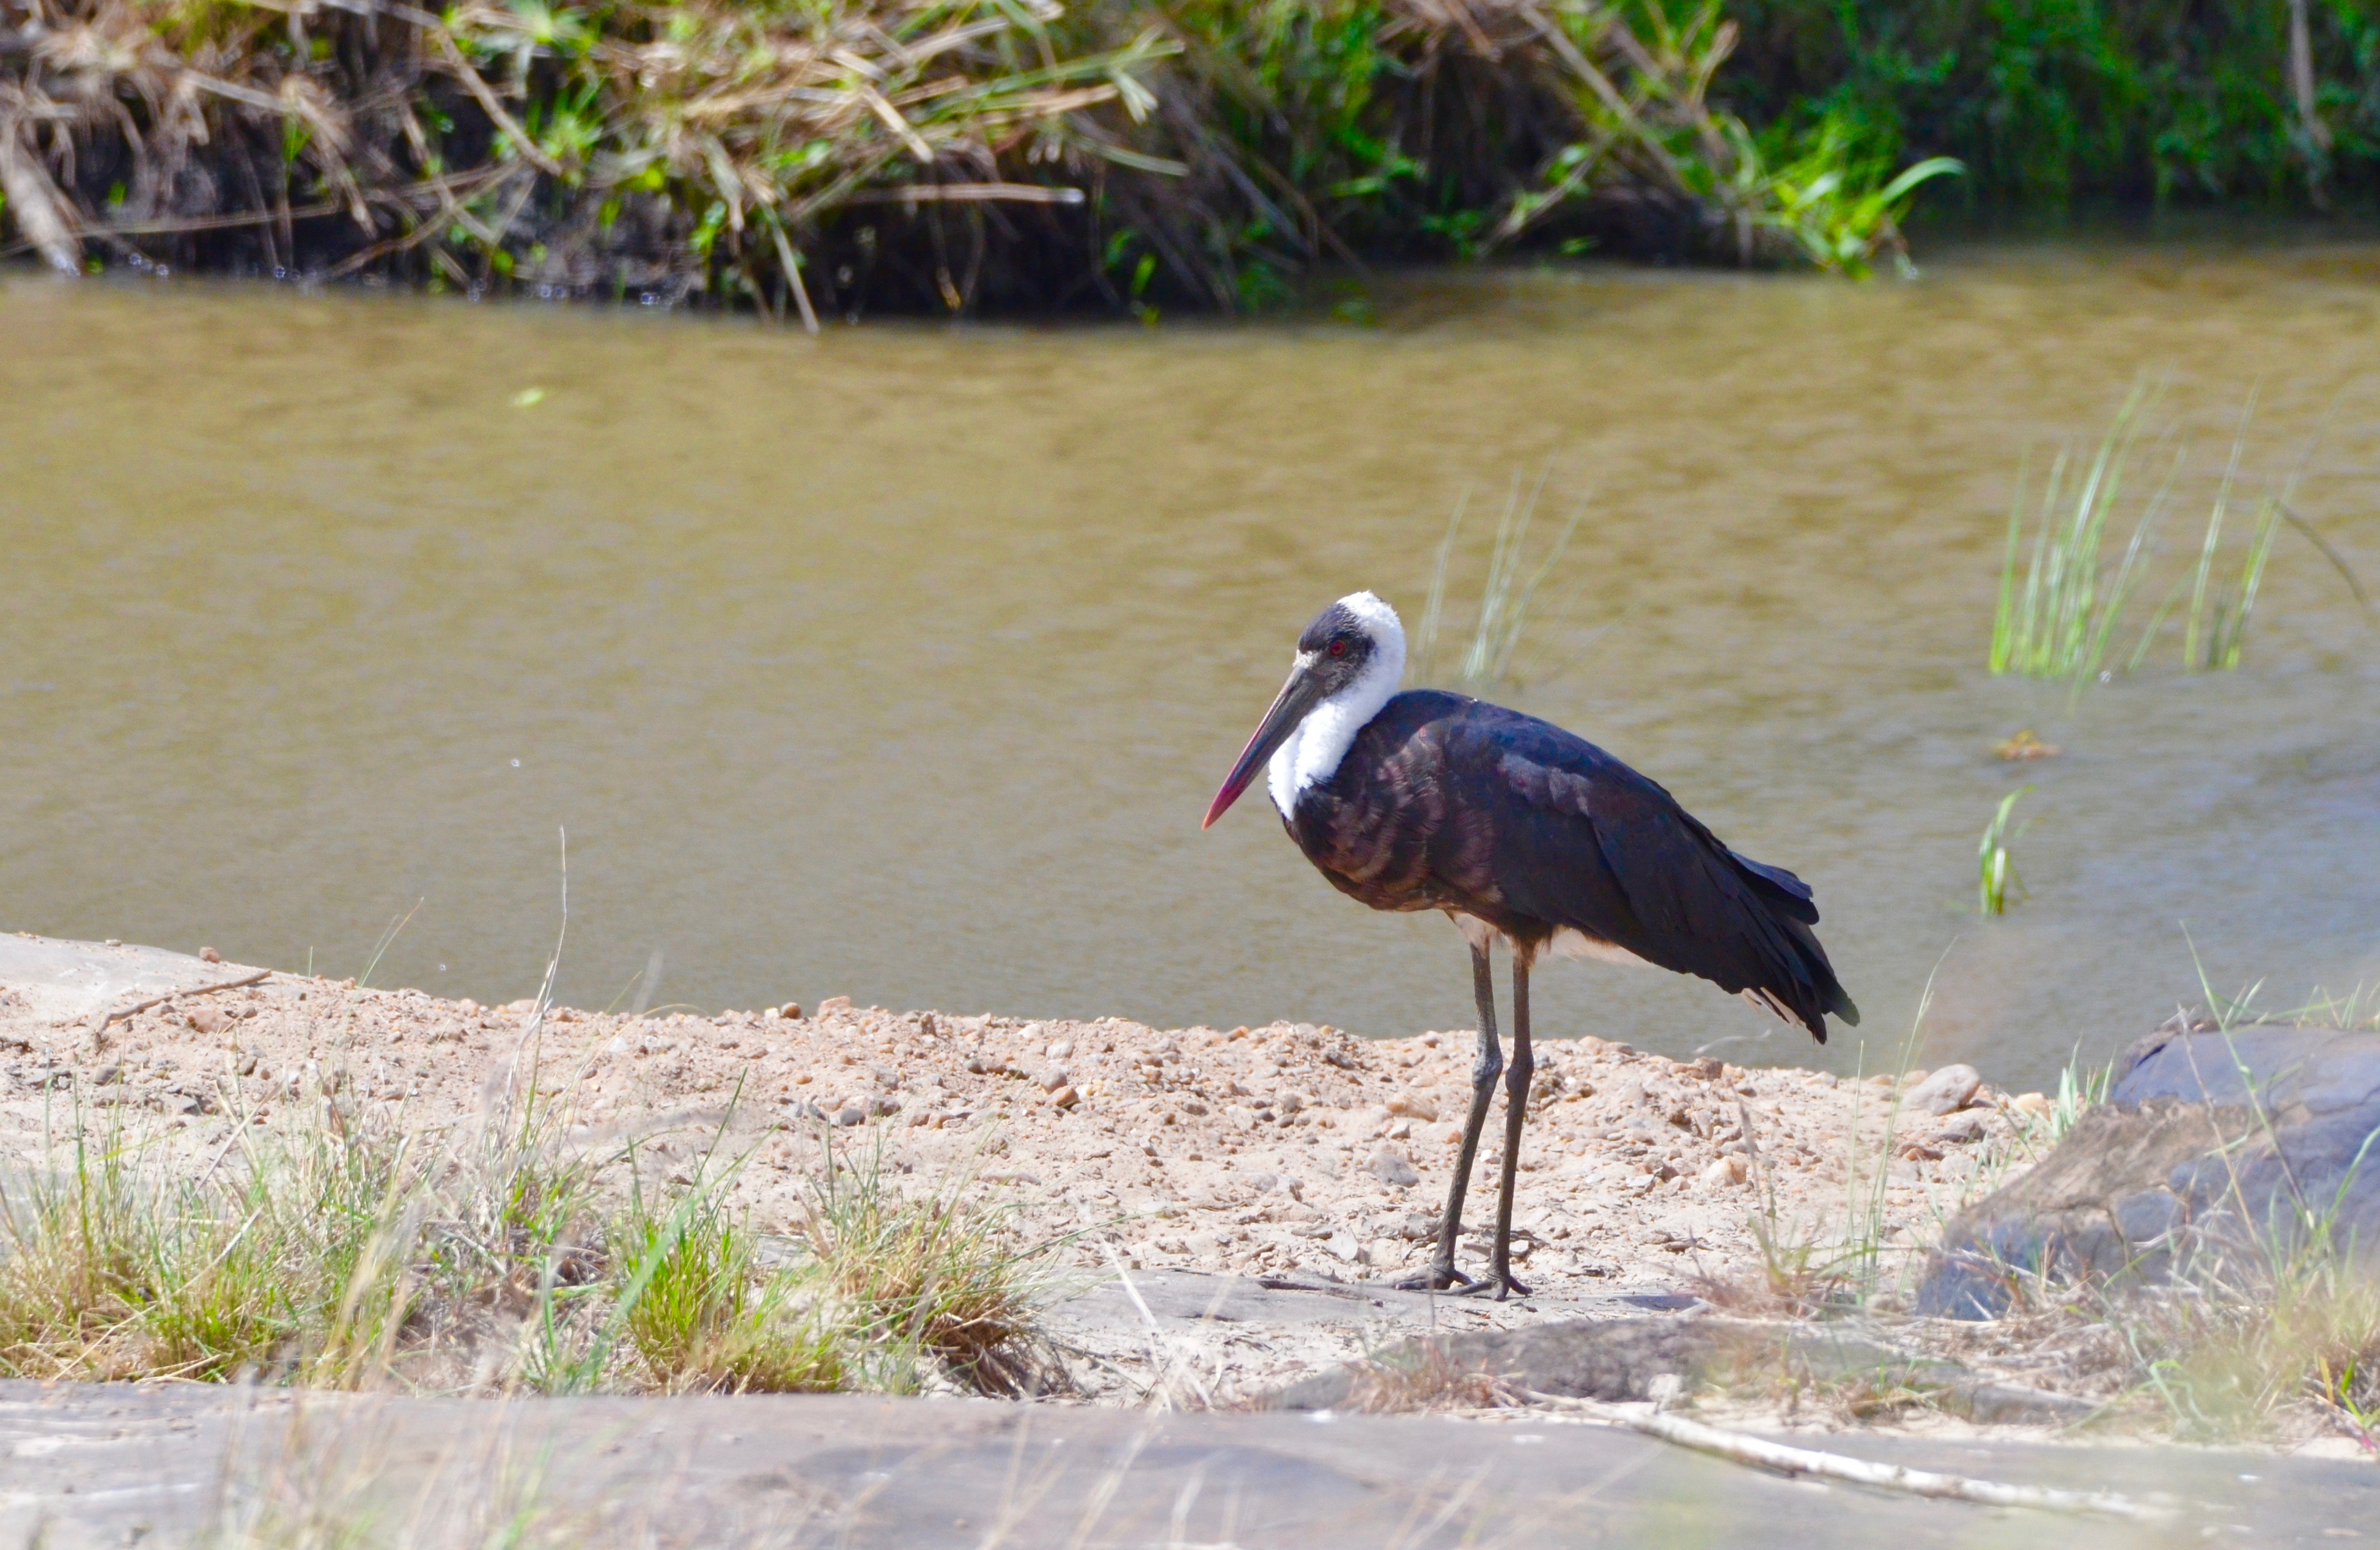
<point>1961,1128</point>
<point>1264,1183</point>
<point>791,1011</point>
<point>1061,1048</point>
<point>1406,1104</point>
<point>1946,1092</point>
<point>1724,1171</point>
<point>1054,1077</point>
<point>210,1020</point>
<point>207,955</point>
<point>1291,1103</point>
<point>1064,1098</point>
<point>834,1004</point>
<point>2033,1103</point>
<point>1344,1246</point>
<point>1392,1167</point>
<point>850,1113</point>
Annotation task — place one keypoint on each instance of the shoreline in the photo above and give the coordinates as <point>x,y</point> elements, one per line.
<point>1288,1148</point>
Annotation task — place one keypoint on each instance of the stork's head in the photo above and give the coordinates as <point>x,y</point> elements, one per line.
<point>1348,663</point>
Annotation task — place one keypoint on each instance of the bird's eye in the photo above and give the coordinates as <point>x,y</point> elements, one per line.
<point>1338,648</point>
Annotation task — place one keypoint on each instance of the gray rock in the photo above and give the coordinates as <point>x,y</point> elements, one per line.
<point>1946,1092</point>
<point>2235,1144</point>
<point>1622,1360</point>
<point>1961,1129</point>
<point>1390,1166</point>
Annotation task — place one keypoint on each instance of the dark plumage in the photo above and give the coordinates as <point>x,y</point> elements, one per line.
<point>1444,802</point>
<point>1515,828</point>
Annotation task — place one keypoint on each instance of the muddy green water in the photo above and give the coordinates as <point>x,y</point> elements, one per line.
<point>900,664</point>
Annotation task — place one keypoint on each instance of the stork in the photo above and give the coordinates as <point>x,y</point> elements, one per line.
<point>1516,829</point>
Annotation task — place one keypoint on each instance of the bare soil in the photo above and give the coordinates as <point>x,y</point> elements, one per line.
<point>1288,1149</point>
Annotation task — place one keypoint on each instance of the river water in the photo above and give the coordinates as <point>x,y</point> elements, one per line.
<point>901,662</point>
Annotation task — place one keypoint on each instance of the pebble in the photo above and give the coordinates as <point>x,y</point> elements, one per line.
<point>1390,1166</point>
<point>1946,1092</point>
<point>1963,1128</point>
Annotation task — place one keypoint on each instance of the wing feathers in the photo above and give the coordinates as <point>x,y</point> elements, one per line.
<point>1598,834</point>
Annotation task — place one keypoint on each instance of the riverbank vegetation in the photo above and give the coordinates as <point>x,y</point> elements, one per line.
<point>2064,592</point>
<point>510,1253</point>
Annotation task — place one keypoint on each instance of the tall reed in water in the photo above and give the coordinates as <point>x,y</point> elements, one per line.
<point>2057,624</point>
<point>1506,599</point>
<point>1995,872</point>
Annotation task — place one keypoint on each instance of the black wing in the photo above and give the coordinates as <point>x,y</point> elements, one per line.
<point>1583,841</point>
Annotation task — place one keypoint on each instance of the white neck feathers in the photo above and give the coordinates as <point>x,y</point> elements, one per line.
<point>1313,751</point>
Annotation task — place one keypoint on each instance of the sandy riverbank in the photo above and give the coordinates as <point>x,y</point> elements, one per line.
<point>1288,1148</point>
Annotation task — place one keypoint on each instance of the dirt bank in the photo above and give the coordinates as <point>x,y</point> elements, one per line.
<point>1285,1150</point>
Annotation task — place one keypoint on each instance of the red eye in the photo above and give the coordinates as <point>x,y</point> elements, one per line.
<point>1338,648</point>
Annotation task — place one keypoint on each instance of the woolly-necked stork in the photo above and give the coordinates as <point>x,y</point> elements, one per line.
<point>1517,829</point>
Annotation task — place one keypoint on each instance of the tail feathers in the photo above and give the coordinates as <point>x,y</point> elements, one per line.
<point>1780,888</point>
<point>1823,992</point>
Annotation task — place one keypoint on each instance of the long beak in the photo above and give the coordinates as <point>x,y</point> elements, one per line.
<point>1297,696</point>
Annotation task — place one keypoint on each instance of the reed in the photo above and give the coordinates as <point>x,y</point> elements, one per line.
<point>1995,870</point>
<point>1508,595</point>
<point>2058,623</point>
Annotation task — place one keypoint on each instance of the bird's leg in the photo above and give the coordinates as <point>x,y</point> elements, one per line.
<point>1484,1072</point>
<point>1517,1113</point>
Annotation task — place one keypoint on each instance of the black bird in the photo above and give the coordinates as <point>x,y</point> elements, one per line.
<point>1515,828</point>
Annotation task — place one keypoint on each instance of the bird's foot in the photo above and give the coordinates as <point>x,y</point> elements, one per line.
<point>1497,1284</point>
<point>1438,1277</point>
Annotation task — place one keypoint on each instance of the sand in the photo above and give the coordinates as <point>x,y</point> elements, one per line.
<point>1285,1150</point>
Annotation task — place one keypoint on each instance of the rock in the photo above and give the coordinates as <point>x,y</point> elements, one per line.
<point>207,955</point>
<point>210,1020</point>
<point>1946,1092</point>
<point>1726,1170</point>
<point>1417,1108</point>
<point>834,1004</point>
<point>1624,1360</point>
<point>1344,1246</point>
<point>1961,1128</point>
<point>2211,1147</point>
<point>1053,1078</point>
<point>1392,1167</point>
<point>1064,1098</point>
<point>850,1113</point>
<point>2034,1105</point>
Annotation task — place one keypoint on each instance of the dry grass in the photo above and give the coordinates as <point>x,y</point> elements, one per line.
<point>1427,1378</point>
<point>513,1253</point>
<point>817,159</point>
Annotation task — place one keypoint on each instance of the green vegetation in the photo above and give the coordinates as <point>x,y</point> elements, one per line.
<point>1508,595</point>
<point>2061,620</point>
<point>2050,102</point>
<point>819,159</point>
<point>2057,626</point>
<point>1995,873</point>
<point>1127,155</point>
<point>340,1252</point>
